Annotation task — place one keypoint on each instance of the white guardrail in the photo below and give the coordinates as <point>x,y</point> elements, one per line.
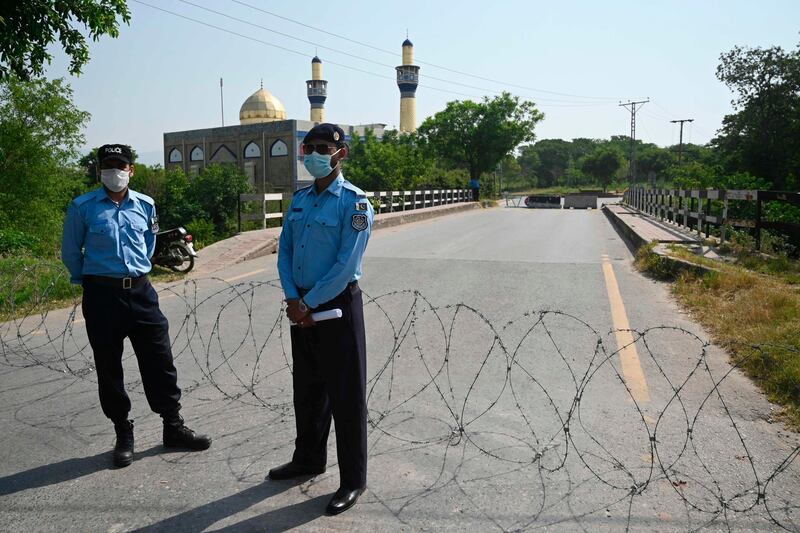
<point>391,201</point>
<point>383,202</point>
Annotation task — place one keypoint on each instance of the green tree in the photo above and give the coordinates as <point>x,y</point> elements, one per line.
<point>175,204</point>
<point>693,175</point>
<point>554,160</point>
<point>476,136</point>
<point>510,173</point>
<point>396,162</point>
<point>763,136</point>
<point>216,192</point>
<point>602,164</point>
<point>40,132</point>
<point>376,164</point>
<point>656,160</point>
<point>29,27</point>
<point>528,160</point>
<point>581,147</point>
<point>695,152</point>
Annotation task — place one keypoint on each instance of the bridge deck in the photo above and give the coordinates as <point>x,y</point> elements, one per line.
<point>650,229</point>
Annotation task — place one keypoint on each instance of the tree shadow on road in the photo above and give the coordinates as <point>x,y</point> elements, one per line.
<point>282,519</point>
<point>69,469</point>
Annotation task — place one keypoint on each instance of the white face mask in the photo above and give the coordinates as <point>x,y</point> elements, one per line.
<point>114,179</point>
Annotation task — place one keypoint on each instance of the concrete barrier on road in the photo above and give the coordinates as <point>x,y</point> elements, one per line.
<point>580,201</point>
<point>541,201</point>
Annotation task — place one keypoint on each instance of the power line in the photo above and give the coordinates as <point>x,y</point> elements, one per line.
<point>373,47</point>
<point>427,86</point>
<point>680,143</point>
<point>378,63</point>
<point>633,109</point>
<point>267,43</point>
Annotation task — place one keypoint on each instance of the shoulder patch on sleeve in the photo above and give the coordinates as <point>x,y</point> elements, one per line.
<point>361,205</point>
<point>360,222</point>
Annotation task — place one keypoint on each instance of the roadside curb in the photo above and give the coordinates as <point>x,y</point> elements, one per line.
<point>675,264</point>
<point>625,231</point>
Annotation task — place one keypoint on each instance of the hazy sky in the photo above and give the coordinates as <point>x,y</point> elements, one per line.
<point>162,73</point>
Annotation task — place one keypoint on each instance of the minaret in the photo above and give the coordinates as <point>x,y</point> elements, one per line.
<point>407,80</point>
<point>317,91</point>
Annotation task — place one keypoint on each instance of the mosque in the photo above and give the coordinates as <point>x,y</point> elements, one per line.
<point>266,145</point>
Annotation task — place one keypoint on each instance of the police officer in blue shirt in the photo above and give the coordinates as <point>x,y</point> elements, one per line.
<point>109,237</point>
<point>319,261</point>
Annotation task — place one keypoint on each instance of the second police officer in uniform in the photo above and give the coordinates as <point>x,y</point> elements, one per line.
<point>319,262</point>
<point>109,237</point>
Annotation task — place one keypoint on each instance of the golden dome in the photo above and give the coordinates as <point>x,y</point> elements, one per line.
<point>261,106</point>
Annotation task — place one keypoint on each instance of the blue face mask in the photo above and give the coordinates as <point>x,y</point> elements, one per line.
<point>318,165</point>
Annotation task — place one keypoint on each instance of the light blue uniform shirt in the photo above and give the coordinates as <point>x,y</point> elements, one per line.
<point>323,241</point>
<point>102,239</point>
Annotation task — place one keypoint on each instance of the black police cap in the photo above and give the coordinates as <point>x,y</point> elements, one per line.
<point>115,151</point>
<point>326,132</point>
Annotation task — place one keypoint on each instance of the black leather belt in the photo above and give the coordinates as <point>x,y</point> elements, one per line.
<point>303,292</point>
<point>120,283</point>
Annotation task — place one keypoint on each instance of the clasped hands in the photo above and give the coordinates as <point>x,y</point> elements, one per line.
<point>297,316</point>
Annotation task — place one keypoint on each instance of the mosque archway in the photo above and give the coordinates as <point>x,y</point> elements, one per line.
<point>252,150</point>
<point>278,149</point>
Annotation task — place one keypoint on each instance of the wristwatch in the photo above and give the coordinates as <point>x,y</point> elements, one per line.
<point>302,306</point>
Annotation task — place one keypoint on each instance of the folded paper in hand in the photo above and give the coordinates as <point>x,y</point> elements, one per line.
<point>326,315</point>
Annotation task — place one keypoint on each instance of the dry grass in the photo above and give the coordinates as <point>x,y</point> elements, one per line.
<point>755,316</point>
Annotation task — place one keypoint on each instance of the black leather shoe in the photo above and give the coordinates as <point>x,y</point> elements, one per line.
<point>343,499</point>
<point>123,448</point>
<point>177,435</point>
<point>291,470</point>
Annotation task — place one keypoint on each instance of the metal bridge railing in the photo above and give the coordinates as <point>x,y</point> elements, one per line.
<point>391,201</point>
<point>383,202</point>
<point>701,209</point>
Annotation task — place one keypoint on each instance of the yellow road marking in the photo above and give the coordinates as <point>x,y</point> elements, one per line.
<point>240,276</point>
<point>631,366</point>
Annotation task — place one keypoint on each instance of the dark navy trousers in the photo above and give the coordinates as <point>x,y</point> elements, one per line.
<point>329,377</point>
<point>113,313</point>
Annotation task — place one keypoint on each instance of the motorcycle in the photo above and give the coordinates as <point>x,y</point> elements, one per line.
<point>175,250</point>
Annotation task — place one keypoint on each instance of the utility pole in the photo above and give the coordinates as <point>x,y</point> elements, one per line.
<point>634,106</point>
<point>680,145</point>
<point>221,106</point>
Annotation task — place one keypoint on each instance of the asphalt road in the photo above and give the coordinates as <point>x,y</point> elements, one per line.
<point>522,376</point>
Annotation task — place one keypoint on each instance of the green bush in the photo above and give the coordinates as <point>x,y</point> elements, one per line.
<point>40,132</point>
<point>655,265</point>
<point>30,285</point>
<point>202,231</point>
<point>12,240</point>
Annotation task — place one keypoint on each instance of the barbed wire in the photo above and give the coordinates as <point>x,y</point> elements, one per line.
<point>537,405</point>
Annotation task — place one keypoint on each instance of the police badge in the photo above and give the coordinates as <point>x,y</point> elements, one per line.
<point>360,222</point>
